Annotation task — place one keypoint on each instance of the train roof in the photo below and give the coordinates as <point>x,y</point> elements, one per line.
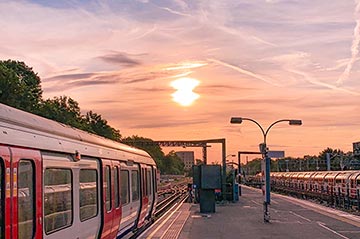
<point>24,129</point>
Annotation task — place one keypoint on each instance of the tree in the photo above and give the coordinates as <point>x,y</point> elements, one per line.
<point>64,110</point>
<point>100,126</point>
<point>173,164</point>
<point>167,164</point>
<point>19,86</point>
<point>149,146</point>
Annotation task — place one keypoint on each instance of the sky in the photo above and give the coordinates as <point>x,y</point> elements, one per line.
<point>261,59</point>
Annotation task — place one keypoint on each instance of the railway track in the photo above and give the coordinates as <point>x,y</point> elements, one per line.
<point>168,198</point>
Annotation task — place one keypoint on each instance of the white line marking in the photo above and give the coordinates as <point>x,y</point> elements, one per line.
<point>307,219</point>
<point>257,203</point>
<point>335,232</point>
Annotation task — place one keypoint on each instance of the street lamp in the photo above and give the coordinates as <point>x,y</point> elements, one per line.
<point>264,151</point>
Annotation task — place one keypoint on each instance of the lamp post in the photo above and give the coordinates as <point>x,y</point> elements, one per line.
<point>264,152</point>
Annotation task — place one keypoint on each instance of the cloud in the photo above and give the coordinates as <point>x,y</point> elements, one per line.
<point>170,123</point>
<point>120,58</point>
<point>313,81</point>
<point>68,85</point>
<point>354,47</point>
<point>243,71</point>
<point>66,77</point>
<point>175,12</point>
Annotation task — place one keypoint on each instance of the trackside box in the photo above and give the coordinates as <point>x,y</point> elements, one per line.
<point>210,176</point>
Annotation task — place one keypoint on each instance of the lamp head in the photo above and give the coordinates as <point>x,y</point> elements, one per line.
<point>236,120</point>
<point>295,122</point>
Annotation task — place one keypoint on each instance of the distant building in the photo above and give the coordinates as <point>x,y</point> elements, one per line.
<point>187,157</point>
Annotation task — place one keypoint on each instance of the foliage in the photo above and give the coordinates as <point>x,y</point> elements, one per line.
<point>19,86</point>
<point>167,164</point>
<point>64,110</point>
<point>98,125</point>
<point>173,164</point>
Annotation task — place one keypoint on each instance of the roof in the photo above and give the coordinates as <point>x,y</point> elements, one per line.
<point>24,129</point>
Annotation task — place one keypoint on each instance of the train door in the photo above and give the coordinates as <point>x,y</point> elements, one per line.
<point>130,196</point>
<point>111,196</point>
<point>71,197</point>
<point>26,194</point>
<point>144,195</point>
<point>150,191</point>
<point>5,196</point>
<point>88,195</point>
<point>153,191</point>
<point>115,176</point>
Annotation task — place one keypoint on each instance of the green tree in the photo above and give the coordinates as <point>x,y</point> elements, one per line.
<point>96,124</point>
<point>64,110</point>
<point>173,164</point>
<point>19,86</point>
<point>149,146</point>
<point>253,167</point>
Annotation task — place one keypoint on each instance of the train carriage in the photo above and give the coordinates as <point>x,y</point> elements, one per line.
<point>336,187</point>
<point>354,185</point>
<point>60,182</point>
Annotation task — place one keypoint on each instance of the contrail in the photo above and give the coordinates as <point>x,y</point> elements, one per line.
<point>323,84</point>
<point>354,46</point>
<point>245,72</point>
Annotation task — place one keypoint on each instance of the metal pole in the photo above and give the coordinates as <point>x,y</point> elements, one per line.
<point>239,166</point>
<point>204,154</point>
<point>267,183</point>
<point>223,189</point>
<point>239,173</point>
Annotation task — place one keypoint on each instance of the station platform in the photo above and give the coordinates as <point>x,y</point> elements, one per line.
<point>289,218</point>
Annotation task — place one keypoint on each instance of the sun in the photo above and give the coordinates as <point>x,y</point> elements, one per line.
<point>184,94</point>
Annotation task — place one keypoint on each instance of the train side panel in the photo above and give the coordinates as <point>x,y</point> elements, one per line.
<point>5,193</point>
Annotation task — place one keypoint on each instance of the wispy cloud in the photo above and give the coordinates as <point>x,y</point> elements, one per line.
<point>243,71</point>
<point>354,47</point>
<point>120,58</point>
<point>175,12</point>
<point>67,77</point>
<point>313,81</point>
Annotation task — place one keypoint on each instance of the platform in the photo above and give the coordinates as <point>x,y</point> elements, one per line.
<point>290,218</point>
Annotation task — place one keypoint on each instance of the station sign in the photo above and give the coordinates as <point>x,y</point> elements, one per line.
<point>276,154</point>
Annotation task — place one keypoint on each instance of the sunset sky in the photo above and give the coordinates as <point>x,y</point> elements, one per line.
<point>260,59</point>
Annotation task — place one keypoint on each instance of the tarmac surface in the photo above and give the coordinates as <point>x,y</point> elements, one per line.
<point>289,218</point>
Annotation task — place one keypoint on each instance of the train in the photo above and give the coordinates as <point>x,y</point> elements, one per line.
<point>339,188</point>
<point>60,182</point>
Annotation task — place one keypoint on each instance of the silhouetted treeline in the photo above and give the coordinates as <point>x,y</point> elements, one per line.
<point>20,87</point>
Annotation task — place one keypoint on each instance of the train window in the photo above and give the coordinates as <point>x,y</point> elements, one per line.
<point>116,187</point>
<point>107,184</point>
<point>148,181</point>
<point>88,194</point>
<point>135,185</point>
<point>2,200</point>
<point>26,212</point>
<point>143,182</point>
<point>155,180</point>
<point>124,183</point>
<point>58,203</point>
